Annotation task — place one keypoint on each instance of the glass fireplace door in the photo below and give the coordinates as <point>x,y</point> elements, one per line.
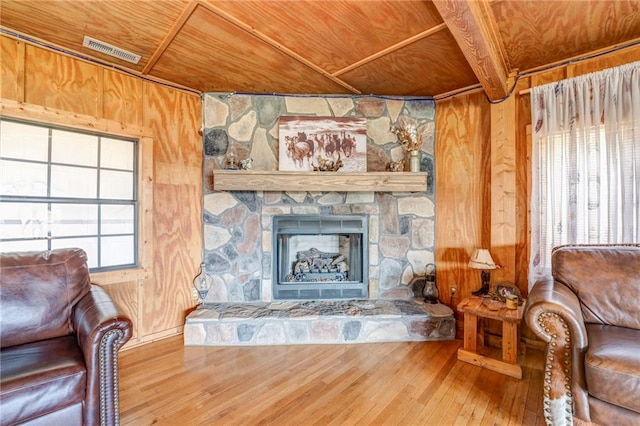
<point>320,257</point>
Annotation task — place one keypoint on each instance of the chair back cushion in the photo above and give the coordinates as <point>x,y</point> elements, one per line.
<point>606,279</point>
<point>38,291</point>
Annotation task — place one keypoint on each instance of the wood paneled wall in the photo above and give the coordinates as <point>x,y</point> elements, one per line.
<point>462,175</point>
<point>475,184</point>
<point>157,302</point>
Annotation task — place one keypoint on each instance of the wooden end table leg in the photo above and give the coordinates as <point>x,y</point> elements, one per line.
<point>470,332</point>
<point>480,343</point>
<point>509,341</point>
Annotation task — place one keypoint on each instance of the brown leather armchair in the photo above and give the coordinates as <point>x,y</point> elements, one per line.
<point>589,315</point>
<point>60,337</point>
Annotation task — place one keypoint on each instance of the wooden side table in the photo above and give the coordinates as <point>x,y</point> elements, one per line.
<point>474,307</point>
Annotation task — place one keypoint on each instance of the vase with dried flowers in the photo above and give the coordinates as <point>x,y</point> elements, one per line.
<point>411,141</point>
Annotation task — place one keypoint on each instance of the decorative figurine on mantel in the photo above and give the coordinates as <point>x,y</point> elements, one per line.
<point>246,164</point>
<point>396,166</point>
<point>230,161</point>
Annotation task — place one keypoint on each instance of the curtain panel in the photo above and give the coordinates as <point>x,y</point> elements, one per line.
<point>585,163</point>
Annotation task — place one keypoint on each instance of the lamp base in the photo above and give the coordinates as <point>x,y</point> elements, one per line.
<point>486,279</point>
<point>482,290</point>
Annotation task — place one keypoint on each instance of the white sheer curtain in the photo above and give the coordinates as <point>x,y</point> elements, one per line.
<point>585,163</point>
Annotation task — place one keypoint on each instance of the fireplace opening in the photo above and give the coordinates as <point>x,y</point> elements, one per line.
<point>320,257</point>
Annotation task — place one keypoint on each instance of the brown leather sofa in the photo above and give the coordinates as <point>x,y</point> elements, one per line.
<point>60,337</point>
<point>589,315</point>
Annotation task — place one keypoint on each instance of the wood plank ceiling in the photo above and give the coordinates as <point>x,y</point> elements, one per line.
<point>385,47</point>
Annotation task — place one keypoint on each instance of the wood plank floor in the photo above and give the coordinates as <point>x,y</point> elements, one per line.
<point>413,383</point>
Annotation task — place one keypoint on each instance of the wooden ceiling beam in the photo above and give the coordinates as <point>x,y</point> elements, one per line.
<point>477,36</point>
<point>177,26</point>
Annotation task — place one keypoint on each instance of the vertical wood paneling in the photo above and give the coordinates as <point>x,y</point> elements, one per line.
<point>175,118</point>
<point>100,92</point>
<point>125,296</point>
<point>178,252</point>
<point>462,129</point>
<point>610,60</point>
<point>61,82</point>
<point>122,97</point>
<point>146,241</point>
<point>523,188</point>
<point>503,189</point>
<point>550,76</point>
<point>12,69</point>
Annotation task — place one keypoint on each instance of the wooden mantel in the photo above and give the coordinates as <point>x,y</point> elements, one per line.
<point>245,180</point>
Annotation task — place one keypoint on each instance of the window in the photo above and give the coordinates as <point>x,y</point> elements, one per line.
<point>588,192</point>
<point>585,163</point>
<point>67,188</point>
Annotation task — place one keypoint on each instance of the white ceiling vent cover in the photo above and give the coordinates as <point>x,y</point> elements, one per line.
<point>108,49</point>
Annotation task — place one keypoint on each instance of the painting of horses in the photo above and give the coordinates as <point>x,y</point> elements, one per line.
<point>336,144</point>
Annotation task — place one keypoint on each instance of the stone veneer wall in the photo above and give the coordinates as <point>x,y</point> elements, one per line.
<point>237,224</point>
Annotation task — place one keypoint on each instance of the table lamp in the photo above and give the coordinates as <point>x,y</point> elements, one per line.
<point>481,259</point>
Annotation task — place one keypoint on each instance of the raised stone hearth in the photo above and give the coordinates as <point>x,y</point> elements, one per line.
<point>318,322</point>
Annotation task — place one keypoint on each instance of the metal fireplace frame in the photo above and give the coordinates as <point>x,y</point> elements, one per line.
<point>320,225</point>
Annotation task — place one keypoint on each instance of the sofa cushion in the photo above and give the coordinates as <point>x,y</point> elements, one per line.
<point>40,377</point>
<point>606,280</point>
<point>38,291</point>
<point>612,365</point>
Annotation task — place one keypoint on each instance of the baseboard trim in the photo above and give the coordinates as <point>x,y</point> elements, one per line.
<point>153,337</point>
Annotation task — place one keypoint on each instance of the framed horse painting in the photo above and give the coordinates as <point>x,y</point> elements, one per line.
<point>331,144</point>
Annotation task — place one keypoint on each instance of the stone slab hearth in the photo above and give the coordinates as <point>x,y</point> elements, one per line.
<point>318,322</point>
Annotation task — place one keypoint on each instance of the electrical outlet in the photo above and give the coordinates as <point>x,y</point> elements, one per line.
<point>454,291</point>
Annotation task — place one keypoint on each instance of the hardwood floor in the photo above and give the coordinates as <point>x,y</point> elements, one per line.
<point>165,383</point>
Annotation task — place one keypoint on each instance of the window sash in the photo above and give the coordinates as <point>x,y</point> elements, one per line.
<point>46,227</point>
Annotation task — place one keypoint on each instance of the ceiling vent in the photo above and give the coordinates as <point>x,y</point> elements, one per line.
<point>110,50</point>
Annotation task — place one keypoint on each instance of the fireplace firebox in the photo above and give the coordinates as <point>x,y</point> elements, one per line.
<point>320,257</point>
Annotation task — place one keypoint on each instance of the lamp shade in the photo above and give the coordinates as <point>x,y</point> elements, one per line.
<point>481,259</point>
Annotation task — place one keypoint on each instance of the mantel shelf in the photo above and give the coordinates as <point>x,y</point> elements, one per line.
<point>250,180</point>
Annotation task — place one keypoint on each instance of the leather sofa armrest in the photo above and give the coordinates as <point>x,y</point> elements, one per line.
<point>553,313</point>
<point>101,330</point>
